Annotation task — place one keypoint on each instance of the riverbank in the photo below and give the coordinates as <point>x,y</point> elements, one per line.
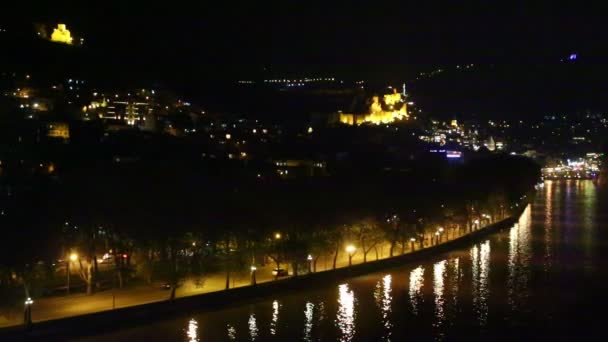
<point>128,316</point>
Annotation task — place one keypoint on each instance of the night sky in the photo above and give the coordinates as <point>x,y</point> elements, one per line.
<point>185,45</point>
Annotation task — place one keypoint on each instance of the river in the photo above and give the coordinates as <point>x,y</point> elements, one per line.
<point>543,277</point>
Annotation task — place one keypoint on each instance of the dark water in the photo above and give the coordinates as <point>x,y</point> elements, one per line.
<point>544,277</point>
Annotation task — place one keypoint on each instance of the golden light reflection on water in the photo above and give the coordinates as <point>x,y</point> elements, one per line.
<point>438,289</point>
<point>480,267</point>
<point>415,289</point>
<point>345,318</point>
<point>275,317</point>
<point>588,197</point>
<point>547,257</point>
<point>231,332</point>
<point>454,280</point>
<point>518,263</point>
<point>308,316</point>
<point>384,300</point>
<point>192,331</point>
<point>253,327</point>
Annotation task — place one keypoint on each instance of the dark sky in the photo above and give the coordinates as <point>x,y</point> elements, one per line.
<point>235,39</point>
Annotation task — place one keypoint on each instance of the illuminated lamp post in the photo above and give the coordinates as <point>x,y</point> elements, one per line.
<point>412,240</point>
<point>440,232</point>
<point>309,258</point>
<point>73,257</point>
<point>27,313</point>
<point>437,238</point>
<point>350,249</point>
<point>253,269</point>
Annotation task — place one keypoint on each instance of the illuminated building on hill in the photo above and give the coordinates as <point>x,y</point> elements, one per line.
<point>393,107</point>
<point>58,130</point>
<point>61,35</point>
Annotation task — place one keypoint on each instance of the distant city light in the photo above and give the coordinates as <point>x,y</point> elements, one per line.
<point>453,154</point>
<point>573,56</point>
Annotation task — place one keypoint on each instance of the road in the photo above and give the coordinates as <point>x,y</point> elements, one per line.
<point>78,304</point>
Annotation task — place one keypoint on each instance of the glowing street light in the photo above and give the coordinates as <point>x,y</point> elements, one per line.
<point>27,315</point>
<point>73,257</point>
<point>350,249</point>
<point>309,258</point>
<point>277,236</point>
<point>412,240</point>
<point>253,269</point>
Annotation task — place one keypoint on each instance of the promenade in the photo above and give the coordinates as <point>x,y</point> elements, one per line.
<point>57,307</point>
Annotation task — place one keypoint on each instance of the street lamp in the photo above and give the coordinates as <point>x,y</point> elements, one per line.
<point>412,240</point>
<point>437,237</point>
<point>350,249</point>
<point>73,257</point>
<point>277,236</point>
<point>309,258</point>
<point>27,314</point>
<point>253,269</point>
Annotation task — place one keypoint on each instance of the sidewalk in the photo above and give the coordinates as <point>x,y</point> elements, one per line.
<point>78,304</point>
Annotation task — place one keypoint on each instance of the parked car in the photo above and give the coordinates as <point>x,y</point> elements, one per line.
<point>279,272</point>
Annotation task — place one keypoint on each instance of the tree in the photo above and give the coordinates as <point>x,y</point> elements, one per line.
<point>368,234</point>
<point>390,227</point>
<point>86,273</point>
<point>172,266</point>
<point>234,259</point>
<point>319,244</point>
<point>336,240</point>
<point>276,249</point>
<point>296,250</point>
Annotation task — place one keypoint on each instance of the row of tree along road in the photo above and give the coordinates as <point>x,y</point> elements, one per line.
<point>164,222</point>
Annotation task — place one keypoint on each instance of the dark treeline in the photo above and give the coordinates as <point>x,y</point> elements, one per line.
<point>165,220</point>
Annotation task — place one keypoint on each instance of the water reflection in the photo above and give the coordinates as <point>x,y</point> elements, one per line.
<point>547,257</point>
<point>321,312</point>
<point>415,290</point>
<point>588,196</point>
<point>345,319</point>
<point>517,280</point>
<point>384,300</point>
<point>454,281</point>
<point>480,259</point>
<point>518,263</point>
<point>308,316</point>
<point>253,327</point>
<point>275,317</point>
<point>231,332</point>
<point>438,288</point>
<point>192,331</point>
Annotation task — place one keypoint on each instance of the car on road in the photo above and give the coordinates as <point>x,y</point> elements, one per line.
<point>279,272</point>
<point>165,286</point>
